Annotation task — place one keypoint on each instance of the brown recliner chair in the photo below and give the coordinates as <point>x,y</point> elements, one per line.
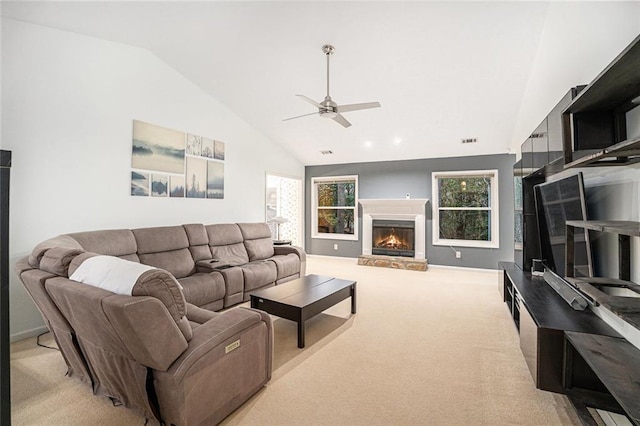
<point>57,324</point>
<point>149,352</point>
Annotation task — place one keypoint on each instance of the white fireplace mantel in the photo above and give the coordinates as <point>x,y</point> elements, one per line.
<point>394,209</point>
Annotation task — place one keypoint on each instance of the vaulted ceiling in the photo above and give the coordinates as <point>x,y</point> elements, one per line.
<point>443,71</point>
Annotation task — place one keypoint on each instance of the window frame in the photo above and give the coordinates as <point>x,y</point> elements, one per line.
<point>493,209</point>
<point>314,208</point>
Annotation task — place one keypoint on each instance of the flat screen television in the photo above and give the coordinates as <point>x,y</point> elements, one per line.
<point>556,202</point>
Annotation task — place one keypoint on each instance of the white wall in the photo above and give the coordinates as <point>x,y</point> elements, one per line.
<point>579,39</point>
<point>68,102</point>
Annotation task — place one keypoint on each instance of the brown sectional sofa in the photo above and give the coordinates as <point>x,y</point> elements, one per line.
<point>160,347</point>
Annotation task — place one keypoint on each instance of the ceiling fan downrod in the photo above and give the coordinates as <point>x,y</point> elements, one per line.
<point>328,51</point>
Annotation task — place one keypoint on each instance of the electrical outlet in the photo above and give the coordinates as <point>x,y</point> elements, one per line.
<point>458,255</point>
<point>335,247</point>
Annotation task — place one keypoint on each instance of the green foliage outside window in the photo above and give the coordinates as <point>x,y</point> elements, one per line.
<point>464,208</point>
<point>337,194</point>
<point>336,207</point>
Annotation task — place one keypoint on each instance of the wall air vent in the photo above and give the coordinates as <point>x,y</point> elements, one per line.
<point>470,140</point>
<point>537,135</point>
<point>326,152</point>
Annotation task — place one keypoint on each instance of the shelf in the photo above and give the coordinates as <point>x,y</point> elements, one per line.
<point>616,363</point>
<point>547,309</point>
<point>542,318</point>
<point>623,227</point>
<point>614,87</point>
<point>623,153</point>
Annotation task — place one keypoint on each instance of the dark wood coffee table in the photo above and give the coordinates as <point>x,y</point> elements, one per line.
<point>301,299</point>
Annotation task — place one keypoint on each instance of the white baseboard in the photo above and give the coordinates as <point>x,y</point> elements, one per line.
<point>429,265</point>
<point>28,333</point>
<point>461,268</point>
<point>324,256</point>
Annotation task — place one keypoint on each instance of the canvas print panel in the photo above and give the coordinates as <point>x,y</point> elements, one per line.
<point>207,148</point>
<point>194,144</point>
<point>139,184</point>
<point>218,149</point>
<point>215,179</point>
<point>196,179</point>
<point>159,185</point>
<point>157,148</point>
<point>176,186</point>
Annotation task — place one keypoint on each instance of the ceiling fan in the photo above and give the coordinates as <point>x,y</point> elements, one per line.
<point>328,108</point>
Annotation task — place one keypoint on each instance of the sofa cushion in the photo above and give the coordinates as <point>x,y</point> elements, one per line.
<point>110,273</point>
<point>203,288</point>
<point>160,238</point>
<point>226,243</point>
<point>258,274</point>
<point>197,234</point>
<point>57,260</point>
<point>124,277</point>
<point>286,265</point>
<point>38,252</point>
<point>178,262</point>
<point>198,241</point>
<point>111,242</point>
<point>257,240</point>
<point>167,248</point>
<point>198,315</point>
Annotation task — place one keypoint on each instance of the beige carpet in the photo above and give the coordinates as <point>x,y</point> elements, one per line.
<point>429,348</point>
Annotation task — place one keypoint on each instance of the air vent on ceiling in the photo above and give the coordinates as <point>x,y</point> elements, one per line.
<point>326,152</point>
<point>470,140</point>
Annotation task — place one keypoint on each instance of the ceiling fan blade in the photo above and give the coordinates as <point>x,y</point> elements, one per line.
<point>355,107</point>
<point>303,115</point>
<point>311,101</point>
<point>340,119</point>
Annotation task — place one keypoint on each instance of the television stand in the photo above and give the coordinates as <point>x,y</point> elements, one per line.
<point>542,319</point>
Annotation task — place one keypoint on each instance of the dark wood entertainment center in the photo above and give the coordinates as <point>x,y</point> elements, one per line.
<point>568,351</point>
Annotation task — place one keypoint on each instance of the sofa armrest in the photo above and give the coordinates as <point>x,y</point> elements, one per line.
<point>199,315</point>
<point>227,361</point>
<point>299,251</point>
<point>218,333</point>
<point>291,249</point>
<point>210,265</point>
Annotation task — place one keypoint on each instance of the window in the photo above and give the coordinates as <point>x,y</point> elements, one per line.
<point>284,201</point>
<point>334,205</point>
<point>465,208</point>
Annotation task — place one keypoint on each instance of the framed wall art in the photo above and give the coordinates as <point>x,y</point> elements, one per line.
<point>174,164</point>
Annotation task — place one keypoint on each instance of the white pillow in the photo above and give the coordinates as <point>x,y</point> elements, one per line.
<point>110,273</point>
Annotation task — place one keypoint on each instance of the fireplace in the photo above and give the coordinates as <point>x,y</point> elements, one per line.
<point>410,210</point>
<point>393,237</point>
<point>399,238</point>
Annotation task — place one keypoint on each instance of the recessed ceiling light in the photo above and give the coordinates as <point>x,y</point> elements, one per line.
<point>397,141</point>
<point>368,144</point>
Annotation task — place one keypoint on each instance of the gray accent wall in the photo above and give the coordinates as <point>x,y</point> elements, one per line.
<point>394,179</point>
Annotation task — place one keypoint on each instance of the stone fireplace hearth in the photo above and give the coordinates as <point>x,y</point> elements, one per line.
<point>401,216</point>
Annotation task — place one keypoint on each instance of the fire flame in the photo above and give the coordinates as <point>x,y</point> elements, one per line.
<point>391,242</point>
